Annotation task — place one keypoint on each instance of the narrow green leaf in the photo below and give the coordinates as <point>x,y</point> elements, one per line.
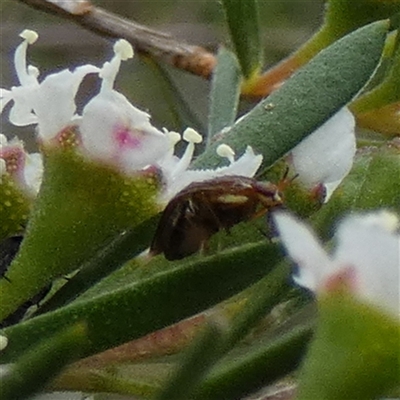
<point>259,365</point>
<point>121,250</point>
<point>203,354</point>
<point>388,91</point>
<point>141,380</point>
<point>342,16</point>
<point>140,269</point>
<point>137,309</point>
<point>225,92</point>
<point>307,100</point>
<point>259,300</point>
<point>244,28</point>
<point>218,338</point>
<point>178,110</point>
<point>29,374</point>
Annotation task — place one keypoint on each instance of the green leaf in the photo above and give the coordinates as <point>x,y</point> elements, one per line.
<point>220,335</point>
<point>40,364</point>
<point>258,365</point>
<point>139,269</point>
<point>120,251</point>
<point>225,92</point>
<point>342,16</point>
<point>244,28</point>
<point>388,91</point>
<point>355,352</point>
<point>203,354</point>
<point>307,100</point>
<point>141,380</point>
<point>178,111</point>
<point>139,308</point>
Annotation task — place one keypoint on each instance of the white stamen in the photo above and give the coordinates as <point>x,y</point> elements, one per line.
<point>3,342</point>
<point>26,75</point>
<point>123,49</point>
<point>29,36</point>
<point>223,150</point>
<point>191,136</point>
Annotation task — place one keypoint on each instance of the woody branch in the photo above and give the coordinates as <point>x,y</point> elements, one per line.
<point>161,46</point>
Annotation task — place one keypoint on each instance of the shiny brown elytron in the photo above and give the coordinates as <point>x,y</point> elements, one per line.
<point>203,208</point>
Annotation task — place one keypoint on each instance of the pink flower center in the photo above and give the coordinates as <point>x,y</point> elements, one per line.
<point>127,138</point>
<point>345,278</point>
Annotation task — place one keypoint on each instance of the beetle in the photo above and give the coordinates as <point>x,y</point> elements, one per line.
<point>204,208</point>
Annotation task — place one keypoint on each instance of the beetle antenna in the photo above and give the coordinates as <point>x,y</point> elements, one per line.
<point>285,180</point>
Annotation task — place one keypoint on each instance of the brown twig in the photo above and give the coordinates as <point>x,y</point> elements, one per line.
<point>162,46</point>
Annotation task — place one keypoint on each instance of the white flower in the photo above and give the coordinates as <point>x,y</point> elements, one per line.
<point>49,104</point>
<point>21,113</point>
<point>26,169</point>
<point>177,176</point>
<point>326,156</point>
<point>113,130</point>
<point>367,257</point>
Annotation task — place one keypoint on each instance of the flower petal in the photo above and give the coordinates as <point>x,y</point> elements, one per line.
<point>50,104</point>
<point>370,245</point>
<point>246,165</point>
<point>116,132</point>
<point>5,98</point>
<point>304,249</point>
<point>33,172</point>
<point>21,113</point>
<point>326,156</point>
<point>24,168</point>
<point>55,100</point>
